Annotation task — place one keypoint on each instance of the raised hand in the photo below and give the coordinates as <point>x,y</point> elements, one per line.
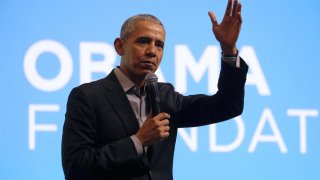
<point>227,32</point>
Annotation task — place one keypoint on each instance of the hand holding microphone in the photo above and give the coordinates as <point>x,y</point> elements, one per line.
<point>156,127</point>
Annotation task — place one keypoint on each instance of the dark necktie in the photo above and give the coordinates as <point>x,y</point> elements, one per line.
<point>136,91</point>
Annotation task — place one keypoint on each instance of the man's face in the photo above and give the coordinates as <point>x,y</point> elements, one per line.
<point>142,51</point>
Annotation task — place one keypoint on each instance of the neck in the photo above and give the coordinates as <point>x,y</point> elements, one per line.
<point>138,81</point>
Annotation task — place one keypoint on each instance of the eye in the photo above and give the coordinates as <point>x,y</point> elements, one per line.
<point>160,44</point>
<point>143,40</point>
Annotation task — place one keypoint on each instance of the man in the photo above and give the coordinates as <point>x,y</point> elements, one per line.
<point>108,131</point>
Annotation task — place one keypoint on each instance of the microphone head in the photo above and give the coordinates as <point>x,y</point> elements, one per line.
<point>151,78</point>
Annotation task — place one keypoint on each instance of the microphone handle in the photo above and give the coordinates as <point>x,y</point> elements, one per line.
<point>154,98</point>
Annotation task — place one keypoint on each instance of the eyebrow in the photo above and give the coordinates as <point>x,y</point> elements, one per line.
<point>148,39</point>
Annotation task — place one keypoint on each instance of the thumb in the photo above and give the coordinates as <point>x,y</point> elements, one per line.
<point>213,18</point>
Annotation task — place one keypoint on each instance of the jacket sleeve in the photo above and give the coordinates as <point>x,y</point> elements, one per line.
<point>228,102</point>
<point>82,158</point>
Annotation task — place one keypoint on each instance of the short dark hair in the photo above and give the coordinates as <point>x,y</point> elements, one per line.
<point>129,25</point>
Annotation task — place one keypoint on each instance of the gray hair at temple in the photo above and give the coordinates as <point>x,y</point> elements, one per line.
<point>129,25</point>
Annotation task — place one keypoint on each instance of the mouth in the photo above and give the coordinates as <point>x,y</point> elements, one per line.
<point>148,63</point>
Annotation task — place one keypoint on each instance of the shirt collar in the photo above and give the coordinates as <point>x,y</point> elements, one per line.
<point>125,82</point>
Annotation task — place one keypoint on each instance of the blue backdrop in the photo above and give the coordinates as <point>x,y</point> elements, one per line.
<point>48,47</point>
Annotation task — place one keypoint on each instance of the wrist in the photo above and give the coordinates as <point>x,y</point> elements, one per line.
<point>226,51</point>
<point>139,139</point>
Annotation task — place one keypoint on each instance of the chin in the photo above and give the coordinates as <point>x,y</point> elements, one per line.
<point>147,71</point>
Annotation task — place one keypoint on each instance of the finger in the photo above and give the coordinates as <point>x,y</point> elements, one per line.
<point>228,9</point>
<point>237,10</point>
<point>234,8</point>
<point>162,116</point>
<point>238,13</point>
<point>239,7</point>
<point>239,18</point>
<point>158,117</point>
<point>213,19</point>
<point>164,135</point>
<point>166,128</point>
<point>164,122</point>
<point>165,131</point>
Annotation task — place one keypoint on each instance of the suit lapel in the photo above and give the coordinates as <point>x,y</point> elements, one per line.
<point>121,105</point>
<point>116,95</point>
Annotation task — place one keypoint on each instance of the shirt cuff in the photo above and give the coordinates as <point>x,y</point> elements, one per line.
<point>232,60</point>
<point>137,144</point>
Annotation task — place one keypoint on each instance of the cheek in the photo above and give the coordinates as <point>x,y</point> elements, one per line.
<point>136,53</point>
<point>160,58</point>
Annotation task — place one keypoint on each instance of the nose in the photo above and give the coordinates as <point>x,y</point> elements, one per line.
<point>151,50</point>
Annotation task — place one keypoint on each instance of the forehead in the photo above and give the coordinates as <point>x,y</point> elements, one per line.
<point>148,29</point>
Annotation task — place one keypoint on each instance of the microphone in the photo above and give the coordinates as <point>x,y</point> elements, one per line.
<point>153,93</point>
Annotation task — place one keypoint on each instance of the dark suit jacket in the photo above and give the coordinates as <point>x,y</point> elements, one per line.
<point>96,141</point>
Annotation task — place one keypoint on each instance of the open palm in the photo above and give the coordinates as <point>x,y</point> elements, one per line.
<point>227,32</point>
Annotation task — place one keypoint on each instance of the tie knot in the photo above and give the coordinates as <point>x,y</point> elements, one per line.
<point>136,91</point>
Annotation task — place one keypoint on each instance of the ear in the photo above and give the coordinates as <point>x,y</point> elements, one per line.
<point>118,46</point>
